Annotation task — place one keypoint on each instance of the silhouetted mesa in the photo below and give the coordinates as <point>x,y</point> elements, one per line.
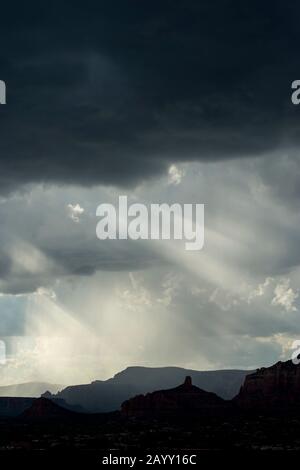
<point>271,388</point>
<point>184,400</point>
<point>108,395</point>
<point>44,409</point>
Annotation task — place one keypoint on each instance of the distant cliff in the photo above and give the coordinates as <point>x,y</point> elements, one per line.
<point>103,396</point>
<point>272,387</point>
<point>28,389</point>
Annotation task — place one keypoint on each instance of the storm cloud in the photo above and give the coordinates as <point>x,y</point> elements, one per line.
<point>114,92</point>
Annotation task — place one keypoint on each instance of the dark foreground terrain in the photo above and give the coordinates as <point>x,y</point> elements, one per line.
<point>114,432</point>
<point>264,416</point>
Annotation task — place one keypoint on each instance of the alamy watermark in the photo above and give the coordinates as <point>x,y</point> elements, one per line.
<point>139,221</point>
<point>2,353</point>
<point>296,354</point>
<point>2,92</point>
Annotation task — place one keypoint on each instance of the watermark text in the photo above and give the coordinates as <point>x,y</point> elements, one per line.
<point>154,222</point>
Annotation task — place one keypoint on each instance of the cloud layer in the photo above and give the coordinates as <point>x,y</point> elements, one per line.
<point>113,303</point>
<point>115,93</point>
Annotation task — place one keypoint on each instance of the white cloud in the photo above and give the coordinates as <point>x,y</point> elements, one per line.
<point>285,296</point>
<point>43,291</point>
<point>175,175</point>
<point>75,211</point>
<point>278,293</point>
<point>260,290</point>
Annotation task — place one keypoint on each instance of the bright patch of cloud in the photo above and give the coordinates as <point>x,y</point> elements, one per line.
<point>260,290</point>
<point>175,175</point>
<point>285,296</point>
<point>75,211</point>
<point>280,293</point>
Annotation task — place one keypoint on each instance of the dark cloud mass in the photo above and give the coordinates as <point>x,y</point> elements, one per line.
<point>112,92</point>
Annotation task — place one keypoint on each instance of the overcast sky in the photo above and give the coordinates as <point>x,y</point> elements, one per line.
<point>162,101</point>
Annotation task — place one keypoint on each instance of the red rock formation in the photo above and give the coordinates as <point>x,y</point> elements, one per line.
<point>184,399</point>
<point>277,386</point>
<point>42,408</point>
